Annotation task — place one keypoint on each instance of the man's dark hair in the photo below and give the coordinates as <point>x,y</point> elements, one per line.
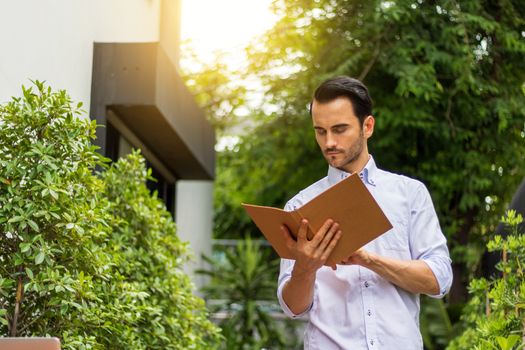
<point>350,88</point>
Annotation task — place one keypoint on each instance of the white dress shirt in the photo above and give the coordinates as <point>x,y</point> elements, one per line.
<point>353,307</point>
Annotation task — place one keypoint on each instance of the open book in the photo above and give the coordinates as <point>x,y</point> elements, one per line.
<point>348,202</point>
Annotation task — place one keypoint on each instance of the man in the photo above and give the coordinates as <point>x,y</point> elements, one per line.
<point>371,300</point>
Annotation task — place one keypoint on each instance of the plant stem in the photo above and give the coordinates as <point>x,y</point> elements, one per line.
<point>19,295</point>
<point>504,262</point>
<point>487,303</point>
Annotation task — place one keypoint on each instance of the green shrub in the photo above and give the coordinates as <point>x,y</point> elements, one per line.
<point>92,258</point>
<point>495,315</point>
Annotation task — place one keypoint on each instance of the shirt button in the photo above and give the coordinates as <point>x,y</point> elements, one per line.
<point>372,342</point>
<point>366,284</point>
<point>369,313</point>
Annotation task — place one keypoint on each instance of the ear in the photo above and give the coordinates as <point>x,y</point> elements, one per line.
<point>368,126</point>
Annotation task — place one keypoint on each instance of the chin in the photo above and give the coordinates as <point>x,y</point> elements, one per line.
<point>336,163</point>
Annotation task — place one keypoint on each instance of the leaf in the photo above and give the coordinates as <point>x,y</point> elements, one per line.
<point>40,258</point>
<point>29,273</point>
<point>53,194</point>
<point>507,343</point>
<point>3,319</point>
<point>33,225</point>
<point>15,219</point>
<point>25,247</point>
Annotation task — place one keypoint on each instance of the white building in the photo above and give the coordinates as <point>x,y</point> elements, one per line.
<point>120,58</point>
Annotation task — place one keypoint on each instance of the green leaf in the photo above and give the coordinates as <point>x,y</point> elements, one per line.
<point>25,247</point>
<point>53,194</point>
<point>3,319</point>
<point>33,225</point>
<point>29,273</point>
<point>39,258</point>
<point>507,343</point>
<point>15,219</point>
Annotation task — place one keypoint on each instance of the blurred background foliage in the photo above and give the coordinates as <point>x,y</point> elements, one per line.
<point>447,79</point>
<point>242,289</point>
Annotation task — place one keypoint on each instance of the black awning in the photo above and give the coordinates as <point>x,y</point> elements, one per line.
<point>141,85</point>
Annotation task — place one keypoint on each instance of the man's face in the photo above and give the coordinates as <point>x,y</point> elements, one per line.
<point>338,132</point>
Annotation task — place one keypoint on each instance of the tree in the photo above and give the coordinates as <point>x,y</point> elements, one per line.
<point>447,80</point>
<point>217,89</point>
<point>92,258</point>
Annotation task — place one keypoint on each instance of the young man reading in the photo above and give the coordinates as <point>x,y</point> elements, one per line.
<point>371,299</point>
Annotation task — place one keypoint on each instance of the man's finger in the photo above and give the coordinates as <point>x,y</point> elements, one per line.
<point>301,234</point>
<point>319,235</point>
<point>290,241</point>
<point>331,246</point>
<point>328,236</point>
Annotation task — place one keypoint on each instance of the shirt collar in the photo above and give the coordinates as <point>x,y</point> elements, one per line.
<point>367,174</point>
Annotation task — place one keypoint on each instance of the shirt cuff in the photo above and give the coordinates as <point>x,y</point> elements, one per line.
<point>442,270</point>
<point>285,307</point>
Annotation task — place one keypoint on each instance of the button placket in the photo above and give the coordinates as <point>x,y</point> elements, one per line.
<point>368,307</point>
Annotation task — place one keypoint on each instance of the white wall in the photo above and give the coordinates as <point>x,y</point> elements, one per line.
<point>52,40</point>
<point>194,213</point>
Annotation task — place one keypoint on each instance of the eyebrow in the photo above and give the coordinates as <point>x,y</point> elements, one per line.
<point>333,126</point>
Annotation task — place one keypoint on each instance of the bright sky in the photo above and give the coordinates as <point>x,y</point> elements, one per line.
<point>225,25</point>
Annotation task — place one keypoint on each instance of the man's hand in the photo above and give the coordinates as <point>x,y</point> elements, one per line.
<point>310,255</point>
<point>359,257</point>
<point>414,276</point>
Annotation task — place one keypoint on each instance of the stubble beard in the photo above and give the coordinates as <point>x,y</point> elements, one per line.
<point>351,154</point>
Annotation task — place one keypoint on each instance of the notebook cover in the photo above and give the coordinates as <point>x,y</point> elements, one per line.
<point>348,202</point>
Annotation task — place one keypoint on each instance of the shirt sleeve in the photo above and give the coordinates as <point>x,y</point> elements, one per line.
<point>285,273</point>
<point>427,242</point>
<point>284,276</point>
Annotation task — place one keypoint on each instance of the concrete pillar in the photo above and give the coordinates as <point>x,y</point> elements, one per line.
<point>194,215</point>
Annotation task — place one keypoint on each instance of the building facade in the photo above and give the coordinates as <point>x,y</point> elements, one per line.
<point>120,58</point>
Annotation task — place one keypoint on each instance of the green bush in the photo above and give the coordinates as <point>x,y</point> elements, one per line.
<point>495,315</point>
<point>92,258</point>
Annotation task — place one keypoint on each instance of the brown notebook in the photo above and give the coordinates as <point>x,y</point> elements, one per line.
<point>348,202</point>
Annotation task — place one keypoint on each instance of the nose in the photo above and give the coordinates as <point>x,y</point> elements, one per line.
<point>330,140</point>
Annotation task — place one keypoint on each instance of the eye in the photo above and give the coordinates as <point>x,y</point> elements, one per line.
<point>340,129</point>
<point>320,131</point>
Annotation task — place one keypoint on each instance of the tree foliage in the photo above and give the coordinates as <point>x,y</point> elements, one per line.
<point>92,258</point>
<point>217,89</point>
<point>447,81</point>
